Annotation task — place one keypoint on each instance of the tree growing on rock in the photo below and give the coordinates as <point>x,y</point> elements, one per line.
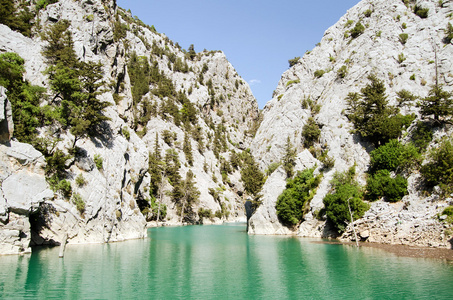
<point>438,105</point>
<point>293,203</point>
<point>289,159</point>
<point>345,194</point>
<point>372,116</point>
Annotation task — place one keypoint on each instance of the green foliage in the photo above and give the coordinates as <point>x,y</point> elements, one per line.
<point>292,82</point>
<point>187,148</point>
<point>371,115</point>
<point>448,211</point>
<point>151,209</point>
<point>439,169</point>
<point>422,135</point>
<point>438,104</point>
<point>272,167</point>
<point>381,185</point>
<point>119,29</point>
<point>80,180</point>
<point>25,99</point>
<point>191,52</point>
<point>172,166</point>
<point>293,203</point>
<point>357,30</point>
<point>251,176</point>
<point>368,13</point>
<point>401,58</point>
<point>403,38</point>
<point>289,159</point>
<point>78,202</point>
<point>421,12</point>
<point>168,137</point>
<point>311,132</point>
<point>62,186</point>
<point>76,84</point>
<point>98,161</point>
<point>126,133</point>
<point>156,168</point>
<point>394,156</point>
<point>448,34</point>
<point>336,203</point>
<point>20,20</point>
<point>342,72</point>
<point>404,97</point>
<point>319,73</point>
<point>294,61</point>
<point>205,213</point>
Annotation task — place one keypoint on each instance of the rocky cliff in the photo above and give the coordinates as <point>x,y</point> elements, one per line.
<point>109,173</point>
<point>405,51</point>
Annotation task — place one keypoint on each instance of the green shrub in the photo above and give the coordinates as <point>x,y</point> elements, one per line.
<point>405,97</point>
<point>394,156</point>
<point>342,72</point>
<point>368,13</point>
<point>449,34</point>
<point>421,12</point>
<point>78,202</point>
<point>292,82</point>
<point>348,23</point>
<point>412,77</point>
<point>126,133</point>
<point>439,169</point>
<point>293,203</point>
<point>403,38</point>
<point>205,213</point>
<point>319,73</point>
<point>422,136</point>
<point>336,203</point>
<point>381,185</point>
<point>80,180</point>
<point>357,30</point>
<point>371,115</point>
<point>272,167</point>
<point>448,211</point>
<point>99,161</point>
<point>311,132</point>
<point>293,61</point>
<point>401,58</point>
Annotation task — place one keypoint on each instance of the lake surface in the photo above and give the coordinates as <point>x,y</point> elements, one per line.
<point>221,262</point>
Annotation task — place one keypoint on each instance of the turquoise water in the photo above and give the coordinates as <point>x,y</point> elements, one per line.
<point>221,262</point>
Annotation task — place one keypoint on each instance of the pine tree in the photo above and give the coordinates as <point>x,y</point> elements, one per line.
<point>187,148</point>
<point>438,104</point>
<point>289,159</point>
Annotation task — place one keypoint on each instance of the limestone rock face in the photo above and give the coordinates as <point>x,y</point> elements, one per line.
<point>409,65</point>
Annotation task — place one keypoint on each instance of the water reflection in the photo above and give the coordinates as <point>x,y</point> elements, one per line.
<point>213,262</point>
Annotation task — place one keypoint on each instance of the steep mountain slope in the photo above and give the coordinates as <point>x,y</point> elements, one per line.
<point>171,112</point>
<point>404,51</point>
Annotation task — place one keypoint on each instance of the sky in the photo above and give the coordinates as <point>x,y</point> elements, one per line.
<point>258,37</point>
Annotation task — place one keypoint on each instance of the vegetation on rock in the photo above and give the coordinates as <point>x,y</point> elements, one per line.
<point>294,202</point>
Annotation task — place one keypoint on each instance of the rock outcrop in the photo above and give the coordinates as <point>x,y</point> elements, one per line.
<point>317,85</point>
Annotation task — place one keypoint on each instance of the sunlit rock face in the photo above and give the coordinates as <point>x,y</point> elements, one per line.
<point>338,65</point>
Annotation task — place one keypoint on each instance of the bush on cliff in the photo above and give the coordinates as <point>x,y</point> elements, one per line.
<point>346,193</point>
<point>293,203</point>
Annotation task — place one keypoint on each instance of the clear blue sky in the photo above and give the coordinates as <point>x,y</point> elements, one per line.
<point>257,36</point>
